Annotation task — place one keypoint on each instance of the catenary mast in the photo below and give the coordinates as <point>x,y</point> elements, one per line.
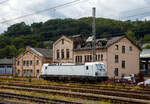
<point>94,36</point>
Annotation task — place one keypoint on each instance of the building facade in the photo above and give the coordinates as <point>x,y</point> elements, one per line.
<point>29,62</point>
<point>6,66</point>
<point>119,54</point>
<point>123,58</point>
<point>63,48</point>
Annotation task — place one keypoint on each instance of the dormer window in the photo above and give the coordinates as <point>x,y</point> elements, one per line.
<point>89,45</point>
<point>99,43</point>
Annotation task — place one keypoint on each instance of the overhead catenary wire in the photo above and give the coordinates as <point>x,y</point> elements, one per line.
<point>60,6</point>
<point>37,12</point>
<point>135,15</point>
<point>131,10</point>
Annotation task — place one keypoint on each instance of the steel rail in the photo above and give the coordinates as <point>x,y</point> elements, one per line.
<point>89,95</point>
<point>35,98</point>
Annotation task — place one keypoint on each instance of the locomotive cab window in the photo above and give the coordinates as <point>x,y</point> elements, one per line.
<point>87,67</point>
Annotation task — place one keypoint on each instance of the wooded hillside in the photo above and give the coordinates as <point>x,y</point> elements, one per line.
<point>17,36</point>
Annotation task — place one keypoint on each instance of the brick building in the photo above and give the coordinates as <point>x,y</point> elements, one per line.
<point>63,48</point>
<point>119,54</point>
<point>29,62</point>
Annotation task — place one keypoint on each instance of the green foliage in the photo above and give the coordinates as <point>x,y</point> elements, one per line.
<point>18,29</point>
<point>20,50</point>
<point>146,38</point>
<point>9,51</point>
<point>43,34</point>
<point>147,47</point>
<point>131,35</point>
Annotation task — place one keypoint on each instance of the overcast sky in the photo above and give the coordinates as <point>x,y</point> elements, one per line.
<point>114,9</point>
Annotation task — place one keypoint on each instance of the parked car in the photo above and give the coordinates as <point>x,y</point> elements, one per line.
<point>145,83</point>
<point>128,79</point>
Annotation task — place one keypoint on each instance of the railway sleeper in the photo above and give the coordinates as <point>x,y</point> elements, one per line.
<point>85,95</point>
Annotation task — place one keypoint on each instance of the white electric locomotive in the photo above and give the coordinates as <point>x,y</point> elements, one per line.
<point>92,71</point>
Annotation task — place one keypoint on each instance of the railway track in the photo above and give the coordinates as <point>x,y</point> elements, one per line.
<point>86,91</point>
<point>91,94</point>
<point>90,86</point>
<point>77,88</point>
<point>25,81</point>
<point>10,102</point>
<point>35,99</point>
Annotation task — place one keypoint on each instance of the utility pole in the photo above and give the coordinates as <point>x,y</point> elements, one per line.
<point>94,37</point>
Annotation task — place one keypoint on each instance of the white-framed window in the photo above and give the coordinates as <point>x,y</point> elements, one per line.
<point>116,47</point>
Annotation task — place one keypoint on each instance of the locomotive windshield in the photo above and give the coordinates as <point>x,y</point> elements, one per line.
<point>100,67</point>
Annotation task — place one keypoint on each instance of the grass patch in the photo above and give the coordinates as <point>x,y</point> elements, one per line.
<point>56,97</point>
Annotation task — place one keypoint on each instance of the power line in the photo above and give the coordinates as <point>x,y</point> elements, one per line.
<point>81,1</point>
<point>37,12</point>
<point>136,9</point>
<point>135,15</point>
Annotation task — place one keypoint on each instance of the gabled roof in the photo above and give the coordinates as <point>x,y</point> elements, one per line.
<point>113,40</point>
<point>100,43</point>
<point>6,61</point>
<point>103,42</point>
<point>61,38</point>
<point>48,53</point>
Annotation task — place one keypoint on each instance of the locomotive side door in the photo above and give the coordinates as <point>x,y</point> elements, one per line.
<point>88,69</point>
